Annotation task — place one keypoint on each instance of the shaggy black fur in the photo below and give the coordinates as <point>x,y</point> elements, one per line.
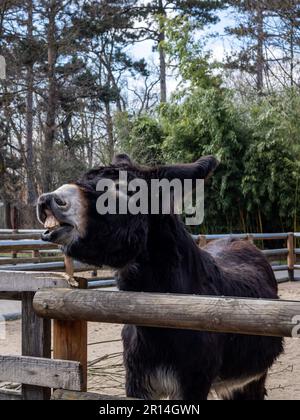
<point>156,254</point>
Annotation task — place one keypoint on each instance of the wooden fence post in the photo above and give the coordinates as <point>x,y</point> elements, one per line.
<point>14,254</point>
<point>70,337</point>
<point>202,241</point>
<point>250,238</point>
<point>291,256</point>
<point>36,342</point>
<point>36,254</point>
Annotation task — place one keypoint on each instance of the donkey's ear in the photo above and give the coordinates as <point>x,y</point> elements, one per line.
<point>201,169</point>
<point>122,159</point>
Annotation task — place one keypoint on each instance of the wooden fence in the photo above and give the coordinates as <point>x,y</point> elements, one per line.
<point>13,243</point>
<point>24,251</point>
<point>35,369</point>
<point>46,297</point>
<point>51,308</point>
<point>290,254</point>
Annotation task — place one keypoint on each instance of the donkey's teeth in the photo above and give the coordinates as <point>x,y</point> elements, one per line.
<point>51,222</point>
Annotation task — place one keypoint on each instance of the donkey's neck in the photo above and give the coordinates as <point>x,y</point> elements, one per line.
<point>172,263</point>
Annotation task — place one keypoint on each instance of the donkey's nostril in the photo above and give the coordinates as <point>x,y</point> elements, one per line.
<point>43,199</point>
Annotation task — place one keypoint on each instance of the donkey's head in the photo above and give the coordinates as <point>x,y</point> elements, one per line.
<point>90,218</point>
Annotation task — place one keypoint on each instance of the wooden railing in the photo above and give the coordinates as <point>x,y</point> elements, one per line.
<point>288,255</point>
<point>24,250</point>
<point>46,297</point>
<point>35,369</point>
<point>48,257</point>
<point>39,255</point>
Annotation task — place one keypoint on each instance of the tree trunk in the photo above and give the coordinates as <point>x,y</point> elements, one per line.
<point>110,132</point>
<point>3,8</point>
<point>31,190</point>
<point>48,151</point>
<point>162,53</point>
<point>292,48</point>
<point>260,59</point>
<point>8,216</point>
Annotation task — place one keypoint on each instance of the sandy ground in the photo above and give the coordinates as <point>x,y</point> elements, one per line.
<point>106,373</point>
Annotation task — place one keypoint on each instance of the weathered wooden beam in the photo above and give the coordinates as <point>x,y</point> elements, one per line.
<point>8,395</point>
<point>37,267</point>
<point>61,394</point>
<point>41,372</point>
<point>24,245</point>
<point>20,231</point>
<point>280,268</point>
<point>19,236</point>
<point>42,267</point>
<point>15,261</point>
<point>215,314</point>
<point>254,236</point>
<point>97,284</point>
<point>275,252</point>
<point>36,342</point>
<point>29,282</point>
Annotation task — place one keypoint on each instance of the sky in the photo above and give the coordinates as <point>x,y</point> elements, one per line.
<point>219,45</point>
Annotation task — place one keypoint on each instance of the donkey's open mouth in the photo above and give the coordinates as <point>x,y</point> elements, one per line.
<point>51,215</point>
<point>55,228</point>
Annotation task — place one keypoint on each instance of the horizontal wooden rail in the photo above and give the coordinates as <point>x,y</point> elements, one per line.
<point>21,231</point>
<point>275,252</point>
<point>215,314</point>
<point>25,245</point>
<point>92,284</point>
<point>41,372</point>
<point>96,284</point>
<point>255,236</point>
<point>34,260</point>
<point>277,268</point>
<point>41,267</point>
<point>50,266</point>
<point>51,252</point>
<point>20,236</point>
<point>30,282</point>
